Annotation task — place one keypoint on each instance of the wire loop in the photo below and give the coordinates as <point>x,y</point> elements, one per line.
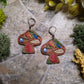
<point>31,24</point>
<point>52,33</point>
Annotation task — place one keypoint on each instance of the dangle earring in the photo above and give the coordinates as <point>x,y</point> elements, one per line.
<point>29,39</point>
<point>53,48</point>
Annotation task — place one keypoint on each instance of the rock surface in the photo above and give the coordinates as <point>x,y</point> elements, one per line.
<point>1,81</point>
<point>21,68</point>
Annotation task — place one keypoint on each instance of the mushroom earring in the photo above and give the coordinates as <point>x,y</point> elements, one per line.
<point>53,48</point>
<point>29,39</point>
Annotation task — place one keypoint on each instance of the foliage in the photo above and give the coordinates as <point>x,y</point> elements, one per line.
<point>79,60</point>
<point>4,46</point>
<point>2,17</point>
<point>4,2</point>
<point>78,36</point>
<point>72,7</point>
<point>82,1</point>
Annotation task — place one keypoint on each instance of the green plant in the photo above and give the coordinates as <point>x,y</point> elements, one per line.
<point>72,7</point>
<point>4,46</point>
<point>2,17</point>
<point>78,36</point>
<point>4,2</point>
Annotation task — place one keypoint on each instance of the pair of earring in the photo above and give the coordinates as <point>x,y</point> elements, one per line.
<point>53,48</point>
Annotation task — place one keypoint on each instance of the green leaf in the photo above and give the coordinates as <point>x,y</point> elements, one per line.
<point>2,17</point>
<point>4,46</point>
<point>74,10</point>
<point>82,1</point>
<point>78,37</point>
<point>52,3</point>
<point>62,1</point>
<point>47,0</point>
<point>69,2</point>
<point>59,6</point>
<point>46,7</point>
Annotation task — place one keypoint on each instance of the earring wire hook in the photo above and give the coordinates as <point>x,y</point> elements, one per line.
<point>29,22</point>
<point>53,36</point>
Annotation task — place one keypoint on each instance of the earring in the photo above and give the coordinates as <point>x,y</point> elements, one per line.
<point>29,39</point>
<point>53,48</point>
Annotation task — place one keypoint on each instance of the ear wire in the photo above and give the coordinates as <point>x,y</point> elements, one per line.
<point>52,30</point>
<point>29,22</point>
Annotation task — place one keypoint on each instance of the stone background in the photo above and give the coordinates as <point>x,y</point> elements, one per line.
<point>21,68</point>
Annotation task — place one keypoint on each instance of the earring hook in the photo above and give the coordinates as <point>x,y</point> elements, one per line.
<point>31,22</point>
<point>52,31</point>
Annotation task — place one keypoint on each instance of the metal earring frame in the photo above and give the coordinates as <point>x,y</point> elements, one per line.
<point>31,25</point>
<point>53,36</point>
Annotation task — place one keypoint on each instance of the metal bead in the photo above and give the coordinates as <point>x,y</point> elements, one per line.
<point>45,50</point>
<point>21,40</point>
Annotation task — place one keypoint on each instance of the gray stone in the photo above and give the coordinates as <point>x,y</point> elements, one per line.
<point>32,68</point>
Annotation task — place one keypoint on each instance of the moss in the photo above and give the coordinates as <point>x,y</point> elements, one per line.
<point>2,17</point>
<point>4,46</point>
<point>78,36</point>
<point>4,2</point>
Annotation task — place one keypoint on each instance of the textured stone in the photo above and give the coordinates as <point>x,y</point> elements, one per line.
<point>1,81</point>
<point>32,68</point>
<point>5,70</point>
<point>5,74</point>
<point>16,24</point>
<point>37,9</point>
<point>35,68</point>
<point>17,64</point>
